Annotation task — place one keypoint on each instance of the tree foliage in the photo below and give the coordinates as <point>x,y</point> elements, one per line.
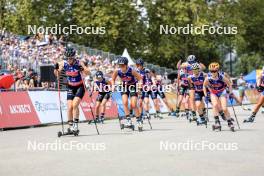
<point>127,27</point>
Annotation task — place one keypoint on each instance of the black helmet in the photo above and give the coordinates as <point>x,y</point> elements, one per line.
<point>99,74</point>
<point>122,60</point>
<point>69,52</point>
<point>140,61</point>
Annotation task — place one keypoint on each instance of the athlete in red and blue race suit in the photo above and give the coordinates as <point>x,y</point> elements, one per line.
<point>75,87</point>
<point>103,87</point>
<point>131,83</point>
<point>183,89</point>
<point>196,80</point>
<point>216,84</point>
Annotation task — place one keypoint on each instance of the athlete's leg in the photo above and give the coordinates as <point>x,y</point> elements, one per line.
<point>125,104</point>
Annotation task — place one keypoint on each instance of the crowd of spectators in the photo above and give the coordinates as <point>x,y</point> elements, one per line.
<point>22,56</point>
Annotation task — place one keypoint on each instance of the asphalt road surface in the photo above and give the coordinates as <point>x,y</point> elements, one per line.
<point>173,147</point>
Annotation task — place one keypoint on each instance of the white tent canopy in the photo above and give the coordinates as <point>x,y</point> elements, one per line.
<point>125,54</point>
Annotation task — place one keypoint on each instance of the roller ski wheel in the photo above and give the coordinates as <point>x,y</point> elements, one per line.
<point>76,133</point>
<point>122,126</point>
<point>216,127</point>
<point>232,129</point>
<point>140,129</point>
<point>60,134</point>
<point>231,126</point>
<point>201,122</point>
<point>132,127</point>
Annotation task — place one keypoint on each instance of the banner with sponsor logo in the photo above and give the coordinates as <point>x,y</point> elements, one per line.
<point>46,104</point>
<point>17,110</point>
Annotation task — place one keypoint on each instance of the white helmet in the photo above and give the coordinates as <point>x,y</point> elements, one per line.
<point>195,66</point>
<point>191,59</point>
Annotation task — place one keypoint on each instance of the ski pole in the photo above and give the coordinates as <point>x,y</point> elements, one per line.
<point>231,101</point>
<point>91,107</point>
<point>58,80</point>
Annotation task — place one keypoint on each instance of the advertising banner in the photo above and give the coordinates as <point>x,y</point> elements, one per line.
<point>17,110</point>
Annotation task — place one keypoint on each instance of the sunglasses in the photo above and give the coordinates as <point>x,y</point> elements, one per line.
<point>213,71</point>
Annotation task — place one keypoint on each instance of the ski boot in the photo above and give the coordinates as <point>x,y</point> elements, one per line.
<point>186,114</point>
<point>201,121</point>
<point>177,112</point>
<point>69,129</point>
<point>249,120</point>
<point>102,119</point>
<point>217,124</point>
<point>231,125</point>
<point>222,114</point>
<point>140,124</point>
<point>193,118</point>
<point>74,128</point>
<point>128,124</point>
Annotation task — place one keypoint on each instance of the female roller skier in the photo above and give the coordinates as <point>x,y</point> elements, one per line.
<point>260,88</point>
<point>158,89</point>
<point>75,87</point>
<point>191,59</point>
<point>142,71</point>
<point>130,86</point>
<point>216,83</point>
<point>102,86</point>
<point>196,80</point>
<point>183,89</point>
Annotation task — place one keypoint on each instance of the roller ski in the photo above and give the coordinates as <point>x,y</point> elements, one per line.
<point>217,125</point>
<point>201,121</point>
<point>172,114</point>
<point>192,119</point>
<point>72,130</point>
<point>140,124</point>
<point>68,132</point>
<point>128,124</point>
